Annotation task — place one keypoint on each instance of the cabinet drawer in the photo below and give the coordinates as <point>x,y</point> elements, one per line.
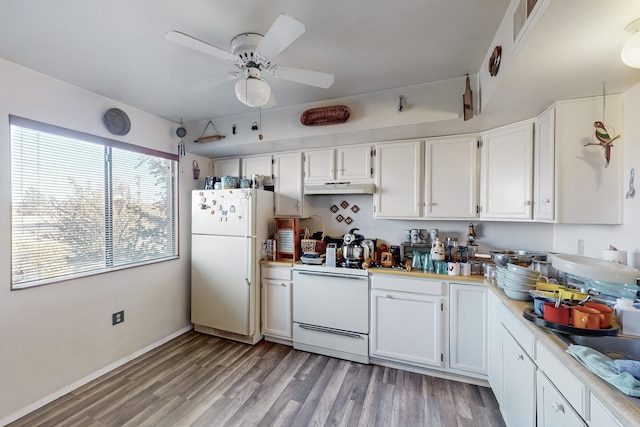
<point>276,273</point>
<point>331,342</point>
<point>572,389</point>
<point>407,284</point>
<point>552,408</point>
<point>600,416</point>
<point>517,330</point>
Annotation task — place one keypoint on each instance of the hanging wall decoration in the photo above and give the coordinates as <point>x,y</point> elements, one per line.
<point>210,138</point>
<point>603,135</point>
<point>323,116</point>
<point>180,133</point>
<point>467,101</point>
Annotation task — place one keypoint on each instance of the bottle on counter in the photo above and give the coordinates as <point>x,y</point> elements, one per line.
<point>471,235</point>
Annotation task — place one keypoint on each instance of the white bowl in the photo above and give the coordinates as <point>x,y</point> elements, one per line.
<point>523,271</point>
<point>520,279</point>
<point>518,286</point>
<point>517,295</point>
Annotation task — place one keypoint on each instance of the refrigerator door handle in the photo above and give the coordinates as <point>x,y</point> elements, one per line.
<point>247,282</point>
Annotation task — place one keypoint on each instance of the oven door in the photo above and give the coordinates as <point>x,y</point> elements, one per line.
<point>331,300</point>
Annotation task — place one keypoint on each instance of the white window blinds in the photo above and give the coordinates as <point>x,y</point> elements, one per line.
<point>83,204</point>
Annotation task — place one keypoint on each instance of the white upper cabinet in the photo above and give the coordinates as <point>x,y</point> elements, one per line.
<point>258,165</point>
<point>354,163</point>
<point>544,167</point>
<point>398,180</point>
<point>451,177</point>
<point>506,172</point>
<point>319,165</point>
<point>289,200</point>
<point>587,192</point>
<point>226,167</point>
<point>350,163</point>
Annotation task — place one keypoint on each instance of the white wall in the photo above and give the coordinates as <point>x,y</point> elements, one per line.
<point>54,336</point>
<point>627,235</point>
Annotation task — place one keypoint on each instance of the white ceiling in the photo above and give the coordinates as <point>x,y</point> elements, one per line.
<point>117,48</point>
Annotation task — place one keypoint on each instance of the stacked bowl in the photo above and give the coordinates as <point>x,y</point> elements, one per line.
<point>519,281</point>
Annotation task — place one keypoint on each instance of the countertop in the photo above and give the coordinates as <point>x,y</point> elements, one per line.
<point>474,278</point>
<point>277,263</point>
<point>624,408</point>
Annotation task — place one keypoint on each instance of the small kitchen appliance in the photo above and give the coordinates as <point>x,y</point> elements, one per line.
<point>353,249</point>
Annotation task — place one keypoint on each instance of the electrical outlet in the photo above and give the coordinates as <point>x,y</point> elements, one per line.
<point>117,317</point>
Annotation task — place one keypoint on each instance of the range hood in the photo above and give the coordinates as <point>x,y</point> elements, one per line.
<point>339,188</point>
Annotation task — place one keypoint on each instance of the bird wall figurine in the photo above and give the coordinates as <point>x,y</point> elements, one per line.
<point>604,140</point>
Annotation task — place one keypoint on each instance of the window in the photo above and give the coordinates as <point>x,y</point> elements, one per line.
<point>83,205</point>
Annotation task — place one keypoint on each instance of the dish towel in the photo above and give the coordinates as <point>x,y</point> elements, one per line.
<point>630,366</point>
<point>605,368</point>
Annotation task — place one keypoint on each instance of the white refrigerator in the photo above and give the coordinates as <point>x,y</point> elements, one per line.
<point>228,228</point>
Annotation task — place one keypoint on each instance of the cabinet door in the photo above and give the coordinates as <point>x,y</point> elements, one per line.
<point>468,328</point>
<point>495,347</point>
<point>451,177</point>
<point>398,180</point>
<point>319,166</point>
<point>354,163</point>
<point>407,327</point>
<point>276,308</point>
<point>518,384</point>
<point>506,172</point>
<point>288,185</point>
<point>600,416</point>
<point>553,410</point>
<point>544,167</point>
<point>224,167</point>
<point>260,165</point>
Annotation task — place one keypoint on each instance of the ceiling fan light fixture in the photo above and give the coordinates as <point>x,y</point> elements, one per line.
<point>630,53</point>
<point>253,91</point>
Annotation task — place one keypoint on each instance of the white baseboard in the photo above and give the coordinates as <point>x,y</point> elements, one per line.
<point>53,396</point>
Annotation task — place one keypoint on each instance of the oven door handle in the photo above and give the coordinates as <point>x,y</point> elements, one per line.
<point>329,330</point>
<point>340,276</point>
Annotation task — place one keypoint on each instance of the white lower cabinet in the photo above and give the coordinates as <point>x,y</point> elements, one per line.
<point>600,416</point>
<point>518,403</point>
<point>468,328</point>
<point>552,408</point>
<point>407,321</point>
<point>494,362</point>
<point>276,302</point>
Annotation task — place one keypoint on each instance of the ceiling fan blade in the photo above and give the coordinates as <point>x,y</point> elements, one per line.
<point>284,31</point>
<point>307,77</point>
<point>192,43</point>
<point>211,82</point>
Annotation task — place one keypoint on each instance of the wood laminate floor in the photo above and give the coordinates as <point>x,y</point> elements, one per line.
<point>200,380</point>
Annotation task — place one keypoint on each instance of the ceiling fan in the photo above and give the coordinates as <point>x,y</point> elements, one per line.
<point>252,54</point>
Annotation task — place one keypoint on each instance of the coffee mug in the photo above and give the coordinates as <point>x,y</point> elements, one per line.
<point>433,234</point>
<point>415,235</point>
<point>423,235</point>
<point>407,236</point>
<point>465,269</point>
<point>453,268</point>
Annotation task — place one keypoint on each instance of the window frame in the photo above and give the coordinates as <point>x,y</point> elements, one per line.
<point>107,143</point>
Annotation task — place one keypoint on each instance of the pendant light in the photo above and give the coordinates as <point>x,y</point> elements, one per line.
<point>253,90</point>
<point>630,53</point>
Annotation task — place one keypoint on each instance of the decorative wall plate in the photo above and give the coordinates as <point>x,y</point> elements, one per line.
<point>355,208</point>
<point>339,218</point>
<point>344,204</point>
<point>334,208</point>
<point>348,220</point>
<point>117,121</point>
<point>494,61</point>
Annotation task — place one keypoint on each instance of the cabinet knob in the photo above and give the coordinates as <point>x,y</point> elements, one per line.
<point>387,296</point>
<point>527,202</point>
<point>520,357</point>
<point>547,200</point>
<point>558,407</point>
